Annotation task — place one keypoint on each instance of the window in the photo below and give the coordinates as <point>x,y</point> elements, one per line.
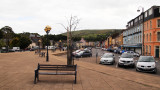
<point>146,48</point>
<point>150,24</point>
<point>158,23</point>
<point>147,25</point>
<point>147,37</point>
<point>145,14</point>
<point>150,11</point>
<point>144,37</point>
<point>140,38</point>
<point>158,36</point>
<point>149,49</point>
<point>150,36</point>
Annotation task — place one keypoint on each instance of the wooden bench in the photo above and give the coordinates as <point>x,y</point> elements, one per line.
<point>55,70</point>
<point>42,54</point>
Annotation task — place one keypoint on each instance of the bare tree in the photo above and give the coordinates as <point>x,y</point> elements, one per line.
<point>71,27</point>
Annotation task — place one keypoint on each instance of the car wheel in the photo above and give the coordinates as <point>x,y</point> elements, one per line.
<point>155,71</point>
<point>137,70</point>
<point>112,63</point>
<point>132,66</point>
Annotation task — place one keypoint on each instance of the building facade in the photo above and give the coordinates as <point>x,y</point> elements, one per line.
<point>132,36</point>
<point>149,22</point>
<point>152,31</point>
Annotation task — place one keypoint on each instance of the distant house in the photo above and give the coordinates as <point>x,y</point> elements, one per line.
<point>83,42</point>
<point>34,38</point>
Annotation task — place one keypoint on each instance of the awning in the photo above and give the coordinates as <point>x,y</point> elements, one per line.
<point>134,46</point>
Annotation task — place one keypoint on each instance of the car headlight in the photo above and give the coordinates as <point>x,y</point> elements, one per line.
<point>120,60</point>
<point>138,65</point>
<point>153,65</point>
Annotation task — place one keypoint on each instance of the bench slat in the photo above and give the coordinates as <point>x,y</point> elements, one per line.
<point>58,69</point>
<point>58,73</point>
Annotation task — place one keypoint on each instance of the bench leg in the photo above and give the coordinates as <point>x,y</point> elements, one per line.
<point>75,78</point>
<point>36,76</point>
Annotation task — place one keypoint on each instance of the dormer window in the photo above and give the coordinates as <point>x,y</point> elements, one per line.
<point>145,14</point>
<point>150,11</point>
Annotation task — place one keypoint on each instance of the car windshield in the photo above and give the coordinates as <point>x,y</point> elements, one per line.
<point>107,56</point>
<point>126,55</point>
<point>77,51</point>
<point>80,52</point>
<point>146,59</point>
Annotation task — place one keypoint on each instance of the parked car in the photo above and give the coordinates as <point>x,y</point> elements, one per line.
<point>16,49</point>
<point>109,49</point>
<point>83,54</point>
<point>107,58</point>
<point>134,53</point>
<point>126,59</point>
<point>32,49</point>
<point>11,50</point>
<point>87,49</point>
<point>75,52</point>
<point>146,64</point>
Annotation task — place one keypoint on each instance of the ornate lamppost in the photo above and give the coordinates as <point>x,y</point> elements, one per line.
<point>47,29</point>
<point>60,45</point>
<point>39,43</point>
<point>143,27</point>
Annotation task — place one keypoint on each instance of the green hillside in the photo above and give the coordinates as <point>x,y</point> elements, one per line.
<point>94,31</point>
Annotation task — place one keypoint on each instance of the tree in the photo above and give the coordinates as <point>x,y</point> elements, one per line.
<point>15,42</point>
<point>8,34</point>
<point>24,42</point>
<point>72,25</point>
<point>2,43</point>
<point>1,34</point>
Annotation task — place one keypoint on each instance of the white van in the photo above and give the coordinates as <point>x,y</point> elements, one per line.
<point>16,49</point>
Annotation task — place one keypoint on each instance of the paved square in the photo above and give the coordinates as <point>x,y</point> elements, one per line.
<point>17,73</point>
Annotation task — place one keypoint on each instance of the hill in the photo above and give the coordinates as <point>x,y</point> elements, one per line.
<point>94,31</point>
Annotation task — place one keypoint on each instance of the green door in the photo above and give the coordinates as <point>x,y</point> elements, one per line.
<point>157,52</point>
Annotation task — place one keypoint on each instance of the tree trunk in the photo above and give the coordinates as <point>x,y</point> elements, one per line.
<point>69,50</point>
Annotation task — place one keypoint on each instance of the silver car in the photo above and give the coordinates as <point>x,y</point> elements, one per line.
<point>146,64</point>
<point>107,58</point>
<point>126,59</point>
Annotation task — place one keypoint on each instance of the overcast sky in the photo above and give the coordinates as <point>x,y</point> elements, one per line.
<point>33,15</point>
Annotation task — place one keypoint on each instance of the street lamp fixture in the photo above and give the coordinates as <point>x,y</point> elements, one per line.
<point>60,47</point>
<point>138,10</point>
<point>39,42</point>
<point>47,29</point>
<point>143,28</point>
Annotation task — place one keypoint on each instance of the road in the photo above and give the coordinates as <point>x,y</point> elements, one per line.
<point>101,52</point>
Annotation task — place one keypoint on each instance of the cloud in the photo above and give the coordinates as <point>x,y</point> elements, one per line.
<point>34,15</point>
